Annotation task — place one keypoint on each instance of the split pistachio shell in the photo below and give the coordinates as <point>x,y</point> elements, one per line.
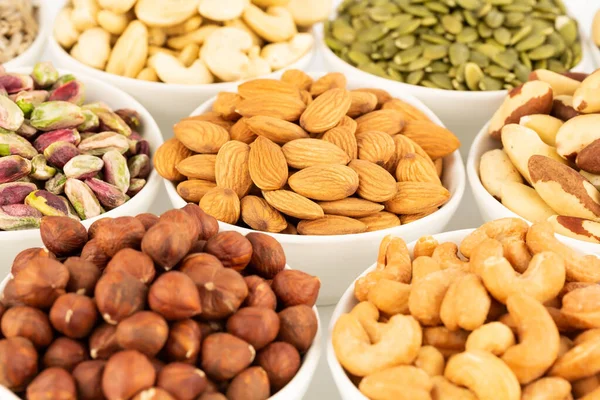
<point>60,135</point>
<point>11,116</point>
<point>15,192</point>
<point>40,170</point>
<point>109,195</point>
<point>56,184</point>
<point>13,168</point>
<point>82,198</point>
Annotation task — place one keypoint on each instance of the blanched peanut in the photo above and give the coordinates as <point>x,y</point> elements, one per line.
<point>93,48</point>
<point>189,54</point>
<point>113,23</point>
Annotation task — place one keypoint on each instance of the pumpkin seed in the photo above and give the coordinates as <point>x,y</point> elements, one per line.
<point>488,50</point>
<point>502,35</point>
<point>467,35</point>
<point>379,14</point>
<point>542,52</point>
<point>409,27</point>
<point>458,86</point>
<point>500,2</point>
<point>556,66</point>
<point>479,59</point>
<point>373,33</point>
<point>435,52</point>
<point>458,53</point>
<point>494,19</point>
<point>374,69</point>
<point>405,42</point>
<point>334,44</point>
<point>395,75</point>
<point>438,7</point>
<point>525,60</point>
<point>517,8</point>
<point>441,80</point>
<point>419,11</point>
<point>415,77</point>
<point>429,84</point>
<point>469,4</point>
<point>497,72</point>
<point>470,18</point>
<point>437,39</point>
<point>452,24</point>
<point>418,64</point>
<point>540,64</point>
<point>484,30</point>
<point>530,42</point>
<point>397,20</point>
<point>514,19</point>
<point>506,59</point>
<point>567,28</point>
<point>489,83</point>
<point>521,34</point>
<point>437,66</point>
<point>483,11</point>
<point>429,21</point>
<point>473,75</point>
<point>408,55</point>
<point>358,58</point>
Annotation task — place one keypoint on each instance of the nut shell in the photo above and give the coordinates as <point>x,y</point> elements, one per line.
<point>88,379</point>
<point>103,342</point>
<point>183,343</point>
<point>127,373</point>
<point>268,257</point>
<point>119,295</point>
<point>252,384</point>
<point>73,315</point>
<point>29,323</point>
<point>224,356</point>
<point>63,236</point>
<point>294,287</point>
<point>119,233</point>
<point>174,296</point>
<point>144,331</point>
<point>281,361</point>
<point>260,293</point>
<point>183,381</point>
<point>257,326</point>
<point>133,262</point>
<point>53,383</point>
<point>65,353</point>
<point>83,276</point>
<point>23,258</point>
<point>18,363</point>
<point>299,326</point>
<point>233,249</point>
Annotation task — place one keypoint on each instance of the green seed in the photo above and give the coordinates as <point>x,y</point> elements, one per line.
<point>497,72</point>
<point>469,4</point>
<point>542,52</point>
<point>374,69</point>
<point>488,50</point>
<point>494,19</point>
<point>371,34</point>
<point>506,59</point>
<point>521,34</point>
<point>556,66</point>
<point>479,59</point>
<point>437,66</point>
<point>395,75</point>
<point>379,14</point>
<point>517,8</point>
<point>408,55</point>
<point>358,9</point>
<point>484,30</point>
<point>419,11</point>
<point>342,31</point>
<point>467,35</point>
<point>405,42</point>
<point>514,19</point>
<point>429,84</point>
<point>525,60</point>
<point>415,77</point>
<point>435,52</point>
<point>530,42</point>
<point>486,8</point>
<point>458,86</point>
<point>358,58</point>
<point>557,41</point>
<point>540,64</point>
<point>334,44</point>
<point>459,73</point>
<point>418,64</point>
<point>438,7</point>
<point>441,80</point>
<point>429,21</point>
<point>458,53</point>
<point>577,54</point>
<point>500,2</point>
<point>473,75</point>
<point>470,18</point>
<point>567,28</point>
<point>409,27</point>
<point>489,83</point>
<point>366,48</point>
<point>502,35</point>
<point>436,39</point>
<point>397,21</point>
<point>452,24</point>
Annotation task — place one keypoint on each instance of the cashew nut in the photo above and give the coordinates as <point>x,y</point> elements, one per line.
<point>580,362</point>
<point>425,246</point>
<point>494,337</point>
<point>566,344</point>
<point>157,37</point>
<point>581,307</point>
<point>130,53</point>
<point>423,266</point>
<point>222,10</point>
<point>224,53</point>
<point>240,24</point>
<point>187,26</point>
<point>443,389</point>
<point>547,389</point>
<point>560,320</point>
<point>446,341</point>
<point>276,24</point>
<point>93,48</point>
<point>170,70</point>
<point>391,297</point>
<point>446,254</point>
<point>427,294</point>
<point>586,386</point>
<point>189,54</point>
<point>495,168</point>
<point>148,74</point>
<point>586,335</point>
<point>486,249</point>
<point>403,382</point>
<point>546,126</point>
<point>65,32</point>
<point>84,14</point>
<point>466,304</point>
<point>309,12</point>
<point>593,395</point>
<point>257,66</point>
<point>165,12</point>
<point>280,55</point>
<point>197,36</point>
<point>525,201</point>
<point>270,3</point>
<point>117,6</point>
<point>431,361</point>
<point>112,22</point>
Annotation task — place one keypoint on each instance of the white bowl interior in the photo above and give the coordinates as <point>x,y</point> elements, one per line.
<point>34,51</point>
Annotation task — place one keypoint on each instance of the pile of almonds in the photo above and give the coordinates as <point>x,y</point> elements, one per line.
<point>309,157</point>
<point>153,307</point>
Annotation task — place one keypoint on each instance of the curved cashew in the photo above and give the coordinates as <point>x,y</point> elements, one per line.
<point>189,54</point>
<point>586,335</point>
<point>446,254</point>
<point>257,66</point>
<point>430,360</point>
<point>84,14</point>
<point>112,22</point>
<point>423,266</point>
<point>93,48</point>
<point>443,389</point>
<point>170,70</point>
<point>270,3</point>
<point>240,24</point>
<point>280,55</point>
<point>165,13</point>
<point>565,345</point>
<point>403,382</point>
<point>222,10</point>
<point>427,294</point>
<point>547,389</point>
<point>130,53</point>
<point>391,297</point>
<point>445,340</point>
<point>578,268</point>
<point>368,316</point>
<point>494,337</point>
<point>488,248</point>
<point>425,246</point>
<point>593,395</point>
<point>562,323</point>
<point>117,6</point>
<point>466,304</point>
<point>580,307</point>
<point>65,32</point>
<point>539,339</point>
<point>274,25</point>
<point>309,12</point>
<point>581,361</point>
<point>224,53</point>
<point>399,343</point>
<point>586,386</point>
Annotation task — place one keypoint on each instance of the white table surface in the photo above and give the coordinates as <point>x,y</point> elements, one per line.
<point>467,215</point>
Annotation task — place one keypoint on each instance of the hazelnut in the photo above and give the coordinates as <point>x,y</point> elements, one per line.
<point>63,236</point>
<point>154,394</point>
<point>260,293</point>
<point>73,315</point>
<point>126,373</point>
<point>52,383</point>
<point>119,233</point>
<point>103,342</point>
<point>239,356</point>
<point>268,257</point>
<point>232,248</point>
<point>88,380</point>
<point>180,217</point>
<point>118,295</point>
<point>23,258</point>
<point>38,284</point>
<point>144,331</point>
<point>197,247</point>
<point>93,229</point>
<point>200,259</point>
<point>93,253</point>
<point>147,219</point>
<point>27,322</point>
<point>257,326</point>
<point>174,296</point>
<point>222,290</point>
<point>212,396</point>
<point>157,365</point>
<point>64,353</point>
<point>295,287</point>
<point>299,326</point>
<point>207,328</point>
<point>281,361</point>
<point>183,381</point>
<point>18,363</point>
<point>208,226</point>
<point>134,263</point>
<point>252,384</point>
<point>167,244</point>
<point>83,275</point>
<point>184,341</point>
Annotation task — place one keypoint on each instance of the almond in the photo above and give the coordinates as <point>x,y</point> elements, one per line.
<point>326,111</point>
<point>408,111</point>
<point>362,103</point>
<point>331,225</point>
<point>437,141</point>
<point>221,203</point>
<point>303,153</point>
<point>212,117</point>
<point>416,168</point>
<point>325,182</point>
<point>349,123</point>
<point>225,105</point>
<point>343,138</point>
<point>166,158</point>
<point>258,87</point>
<point>259,215</point>
<point>193,190</point>
<point>416,197</point>
<point>403,146</point>
<point>293,204</point>
<point>241,132</point>
<point>200,166</point>
<point>297,78</point>
<point>267,165</point>
<point>388,121</point>
<point>375,183</point>
<point>332,80</point>
<point>382,96</point>
<point>351,207</point>
<point>408,218</point>
<point>231,167</point>
<point>439,167</point>
<point>380,220</point>
<point>283,107</point>
<point>376,147</point>
<point>201,136</point>
<point>306,97</point>
<point>275,129</point>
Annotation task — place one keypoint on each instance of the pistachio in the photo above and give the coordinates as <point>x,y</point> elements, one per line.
<point>13,168</point>
<point>40,170</point>
<point>44,74</point>
<point>135,186</point>
<point>60,135</point>
<point>131,117</point>
<point>56,184</point>
<point>14,83</point>
<point>82,198</point>
<point>72,91</point>
<point>139,166</point>
<point>15,192</point>
<point>11,116</point>
<point>59,153</point>
<point>54,115</point>
<point>13,144</point>
<point>47,203</point>
<point>26,130</point>
<point>109,195</point>
<point>91,121</point>
<point>99,144</point>
<point>116,171</point>
<point>28,100</point>
<point>109,121</point>
<point>19,216</point>
<point>83,166</point>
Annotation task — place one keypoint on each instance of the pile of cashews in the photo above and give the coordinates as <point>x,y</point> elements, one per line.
<point>189,41</point>
<point>511,313</point>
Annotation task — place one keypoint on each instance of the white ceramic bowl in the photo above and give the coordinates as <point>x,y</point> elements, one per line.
<point>347,389</point>
<point>490,208</point>
<point>35,50</point>
<point>595,52</point>
<point>336,259</point>
<point>168,103</point>
<point>12,242</point>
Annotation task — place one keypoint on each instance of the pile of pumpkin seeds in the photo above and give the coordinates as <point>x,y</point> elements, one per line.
<point>455,44</point>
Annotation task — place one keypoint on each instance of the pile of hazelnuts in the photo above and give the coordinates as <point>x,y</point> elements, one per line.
<point>154,308</point>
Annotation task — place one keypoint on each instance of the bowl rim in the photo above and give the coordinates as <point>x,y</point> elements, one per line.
<point>455,198</point>
<point>151,130</point>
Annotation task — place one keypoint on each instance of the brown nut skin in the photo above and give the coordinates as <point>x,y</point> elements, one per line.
<point>147,219</point>
<point>83,276</point>
<point>260,293</point>
<point>281,361</point>
<point>197,247</point>
<point>119,295</point>
<point>93,229</point>
<point>294,287</point>
<point>63,236</point>
<point>52,383</point>
<point>144,331</point>
<point>268,257</point>
<point>153,394</point>
<point>103,342</point>
<point>180,217</point>
<point>183,343</point>
<point>18,363</point>
<point>23,258</point>
<point>208,226</point>
<point>157,365</point>
<point>174,296</point>
<point>257,326</point>
<point>221,290</point>
<point>199,260</point>
<point>224,356</point>
<point>167,243</point>
<point>65,353</point>
<point>28,322</point>
<point>233,249</point>
<point>93,253</point>
<point>73,315</point>
<point>182,381</point>
<point>88,379</point>
<point>127,373</point>
<point>134,263</point>
<point>299,326</point>
<point>119,233</point>
<point>252,384</point>
<point>209,327</point>
<point>212,396</point>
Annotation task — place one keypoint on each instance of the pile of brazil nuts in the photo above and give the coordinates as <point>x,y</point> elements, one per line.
<point>510,313</point>
<point>152,307</point>
<point>61,157</point>
<point>309,157</point>
<point>189,41</point>
<point>549,167</point>
<point>18,27</point>
<point>472,45</point>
